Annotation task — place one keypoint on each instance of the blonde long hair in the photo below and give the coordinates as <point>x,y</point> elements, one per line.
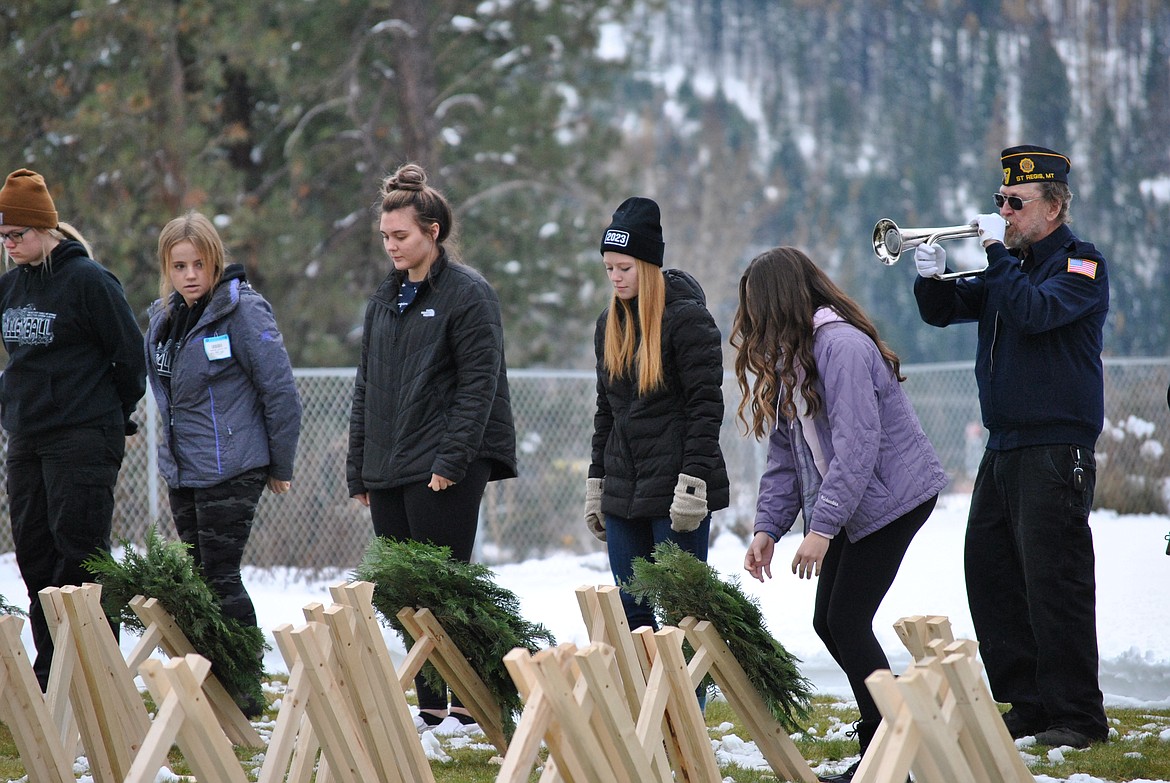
<point>623,349</point>
<point>193,227</point>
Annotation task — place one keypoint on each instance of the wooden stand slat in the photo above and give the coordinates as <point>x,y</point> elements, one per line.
<point>185,718</point>
<point>713,655</point>
<point>575,702</point>
<point>106,706</point>
<point>341,741</point>
<point>344,708</point>
<point>605,620</point>
<point>162,633</point>
<point>453,667</point>
<point>24,711</point>
<point>939,718</point>
<point>293,746</point>
<point>61,670</point>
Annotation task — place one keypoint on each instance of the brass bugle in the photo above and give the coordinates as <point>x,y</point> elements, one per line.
<point>889,242</point>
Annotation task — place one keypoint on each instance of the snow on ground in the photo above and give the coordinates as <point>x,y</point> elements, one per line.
<point>1133,614</point>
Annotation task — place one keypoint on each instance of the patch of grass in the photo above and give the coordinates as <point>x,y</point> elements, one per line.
<point>1135,750</point>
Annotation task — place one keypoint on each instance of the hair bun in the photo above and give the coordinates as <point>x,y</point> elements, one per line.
<point>409,176</point>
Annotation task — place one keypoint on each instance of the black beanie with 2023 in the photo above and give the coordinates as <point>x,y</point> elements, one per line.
<point>636,230</point>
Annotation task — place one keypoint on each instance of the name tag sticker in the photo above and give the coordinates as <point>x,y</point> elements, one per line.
<point>218,347</point>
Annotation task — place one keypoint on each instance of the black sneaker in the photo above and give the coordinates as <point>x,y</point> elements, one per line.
<point>846,776</point>
<point>1059,736</point>
<point>1020,724</point>
<point>841,777</point>
<point>252,706</point>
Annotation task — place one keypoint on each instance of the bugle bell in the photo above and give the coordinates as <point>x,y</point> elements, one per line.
<point>889,242</point>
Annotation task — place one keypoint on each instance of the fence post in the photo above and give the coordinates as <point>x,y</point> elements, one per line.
<point>152,455</point>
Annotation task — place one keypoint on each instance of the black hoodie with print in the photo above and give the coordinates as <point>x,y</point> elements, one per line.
<point>74,348</point>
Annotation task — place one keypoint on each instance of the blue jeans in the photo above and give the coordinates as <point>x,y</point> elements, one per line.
<point>627,539</point>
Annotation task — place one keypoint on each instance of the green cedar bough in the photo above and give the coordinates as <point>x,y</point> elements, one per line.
<point>167,572</point>
<point>678,585</point>
<point>481,616</point>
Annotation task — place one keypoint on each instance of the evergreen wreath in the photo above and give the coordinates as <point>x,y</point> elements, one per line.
<point>7,608</point>
<point>167,572</point>
<point>677,584</point>
<point>483,617</point>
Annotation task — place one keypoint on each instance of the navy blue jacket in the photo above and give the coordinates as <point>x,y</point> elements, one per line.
<point>1038,363</point>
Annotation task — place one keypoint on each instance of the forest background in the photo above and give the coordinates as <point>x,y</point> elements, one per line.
<point>754,123</point>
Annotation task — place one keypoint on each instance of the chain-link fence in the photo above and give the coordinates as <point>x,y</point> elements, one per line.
<point>316,526</point>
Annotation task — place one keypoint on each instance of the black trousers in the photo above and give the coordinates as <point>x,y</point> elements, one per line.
<point>216,522</point>
<point>1031,584</point>
<point>854,580</point>
<point>61,499</point>
<point>450,518</point>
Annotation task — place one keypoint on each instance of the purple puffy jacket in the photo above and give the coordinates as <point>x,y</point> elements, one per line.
<point>879,462</point>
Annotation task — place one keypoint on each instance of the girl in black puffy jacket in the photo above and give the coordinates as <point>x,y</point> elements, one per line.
<point>657,470</point>
<point>431,422</point>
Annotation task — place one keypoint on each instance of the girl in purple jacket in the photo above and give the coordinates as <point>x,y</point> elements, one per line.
<point>845,450</point>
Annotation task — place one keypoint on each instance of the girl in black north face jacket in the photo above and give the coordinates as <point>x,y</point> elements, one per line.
<point>431,421</point>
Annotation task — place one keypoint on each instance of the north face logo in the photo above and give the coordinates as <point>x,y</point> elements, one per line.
<point>619,238</point>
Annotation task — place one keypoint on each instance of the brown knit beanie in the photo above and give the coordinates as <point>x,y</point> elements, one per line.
<point>25,201</point>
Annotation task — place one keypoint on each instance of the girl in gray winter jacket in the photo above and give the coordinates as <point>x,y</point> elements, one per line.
<point>230,409</point>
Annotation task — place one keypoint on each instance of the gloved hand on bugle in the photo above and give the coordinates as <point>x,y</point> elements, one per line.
<point>991,228</point>
<point>930,259</point>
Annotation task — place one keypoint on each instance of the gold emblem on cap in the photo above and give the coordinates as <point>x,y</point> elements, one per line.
<point>1027,165</point>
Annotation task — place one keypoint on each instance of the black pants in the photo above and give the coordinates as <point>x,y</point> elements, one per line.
<point>1031,584</point>
<point>216,523</point>
<point>855,577</point>
<point>450,518</point>
<point>61,499</point>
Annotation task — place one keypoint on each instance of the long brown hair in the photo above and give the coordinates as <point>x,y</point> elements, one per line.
<point>623,349</point>
<point>779,293</point>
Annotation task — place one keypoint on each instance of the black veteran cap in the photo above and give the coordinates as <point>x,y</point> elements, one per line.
<point>1027,163</point>
<point>636,231</point>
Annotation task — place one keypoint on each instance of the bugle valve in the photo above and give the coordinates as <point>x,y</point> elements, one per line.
<point>889,242</point>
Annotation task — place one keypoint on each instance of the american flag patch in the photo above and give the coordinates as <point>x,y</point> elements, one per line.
<point>1083,266</point>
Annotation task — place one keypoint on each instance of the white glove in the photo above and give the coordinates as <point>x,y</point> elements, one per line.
<point>689,506</point>
<point>930,259</point>
<point>594,519</point>
<point>991,227</point>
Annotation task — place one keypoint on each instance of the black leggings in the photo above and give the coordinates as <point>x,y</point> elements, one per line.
<point>855,577</point>
<point>447,518</point>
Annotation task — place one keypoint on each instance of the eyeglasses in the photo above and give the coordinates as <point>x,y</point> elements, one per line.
<point>15,237</point>
<point>1015,202</point>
